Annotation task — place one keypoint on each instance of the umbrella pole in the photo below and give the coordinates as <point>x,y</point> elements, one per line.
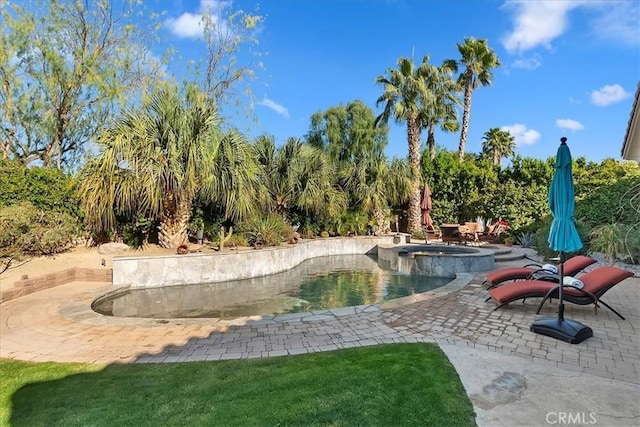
<point>563,258</point>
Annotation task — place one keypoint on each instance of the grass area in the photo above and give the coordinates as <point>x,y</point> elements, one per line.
<point>399,384</point>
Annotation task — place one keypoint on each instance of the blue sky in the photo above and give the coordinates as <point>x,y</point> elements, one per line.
<point>569,68</point>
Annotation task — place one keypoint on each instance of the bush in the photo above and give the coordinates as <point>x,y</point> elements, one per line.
<point>616,241</point>
<point>616,203</point>
<point>541,239</point>
<point>632,243</point>
<point>419,234</point>
<point>45,189</point>
<point>351,222</point>
<point>525,239</point>
<point>270,230</point>
<point>136,232</point>
<point>26,230</point>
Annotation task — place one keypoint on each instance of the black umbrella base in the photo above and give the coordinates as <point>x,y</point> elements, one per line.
<point>562,329</point>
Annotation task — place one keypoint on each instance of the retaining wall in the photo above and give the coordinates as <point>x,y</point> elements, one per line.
<point>27,286</point>
<point>218,267</point>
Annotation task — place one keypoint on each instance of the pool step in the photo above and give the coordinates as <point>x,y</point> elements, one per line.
<point>506,253</point>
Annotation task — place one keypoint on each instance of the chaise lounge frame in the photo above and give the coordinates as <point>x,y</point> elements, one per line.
<point>596,283</point>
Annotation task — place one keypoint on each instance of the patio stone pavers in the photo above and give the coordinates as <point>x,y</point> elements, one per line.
<point>57,325</point>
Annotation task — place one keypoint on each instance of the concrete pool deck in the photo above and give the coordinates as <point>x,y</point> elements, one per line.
<point>513,377</point>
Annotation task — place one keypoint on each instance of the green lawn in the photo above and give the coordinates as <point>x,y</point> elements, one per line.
<point>399,384</point>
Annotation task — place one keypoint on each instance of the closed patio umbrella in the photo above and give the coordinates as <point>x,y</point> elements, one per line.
<point>425,208</point>
<point>563,238</point>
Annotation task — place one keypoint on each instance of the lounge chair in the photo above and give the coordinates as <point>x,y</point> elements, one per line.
<point>596,283</point>
<point>572,266</point>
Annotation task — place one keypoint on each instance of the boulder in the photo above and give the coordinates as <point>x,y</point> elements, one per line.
<point>112,248</point>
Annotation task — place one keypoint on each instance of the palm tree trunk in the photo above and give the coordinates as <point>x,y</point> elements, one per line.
<point>174,219</point>
<point>381,220</point>
<point>466,112</point>
<point>431,141</point>
<point>413,136</point>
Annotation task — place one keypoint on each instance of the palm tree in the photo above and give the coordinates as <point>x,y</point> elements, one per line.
<point>442,110</point>
<point>154,160</point>
<point>405,94</point>
<point>498,143</point>
<point>478,60</point>
<point>298,176</point>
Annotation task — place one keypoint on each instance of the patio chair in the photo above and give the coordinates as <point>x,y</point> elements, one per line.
<point>431,233</point>
<point>572,266</point>
<point>450,233</point>
<point>596,283</point>
<point>469,231</point>
<point>491,233</point>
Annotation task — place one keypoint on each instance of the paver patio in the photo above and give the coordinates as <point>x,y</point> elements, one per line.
<point>58,324</point>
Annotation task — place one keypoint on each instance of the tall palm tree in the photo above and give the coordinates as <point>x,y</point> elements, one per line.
<point>478,60</point>
<point>498,143</point>
<point>405,92</point>
<point>442,110</point>
<point>155,160</point>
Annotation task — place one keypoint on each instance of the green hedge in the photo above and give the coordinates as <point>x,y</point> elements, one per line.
<point>46,189</point>
<point>611,203</point>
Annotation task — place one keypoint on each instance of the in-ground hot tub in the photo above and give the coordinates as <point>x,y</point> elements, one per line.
<point>436,260</point>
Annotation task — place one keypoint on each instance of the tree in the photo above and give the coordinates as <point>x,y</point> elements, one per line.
<point>65,67</point>
<point>498,144</point>
<point>156,159</point>
<point>227,33</point>
<point>405,94</point>
<point>346,133</point>
<point>478,60</point>
<point>442,109</point>
<point>298,176</point>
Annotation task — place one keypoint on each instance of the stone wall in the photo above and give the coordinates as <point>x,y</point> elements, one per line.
<point>233,265</point>
<point>437,260</point>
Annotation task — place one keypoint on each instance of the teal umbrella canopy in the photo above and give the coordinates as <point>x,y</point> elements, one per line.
<point>563,236</point>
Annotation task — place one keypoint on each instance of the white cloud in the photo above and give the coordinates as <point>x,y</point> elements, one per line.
<point>530,63</point>
<point>190,25</point>
<point>537,23</point>
<point>618,21</point>
<point>569,124</point>
<point>609,94</point>
<point>521,134</point>
<point>281,110</point>
<point>187,25</point>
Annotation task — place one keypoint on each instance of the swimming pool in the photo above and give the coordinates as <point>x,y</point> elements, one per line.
<point>315,284</point>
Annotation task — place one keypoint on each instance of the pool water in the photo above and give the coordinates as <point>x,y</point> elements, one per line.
<point>316,284</point>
